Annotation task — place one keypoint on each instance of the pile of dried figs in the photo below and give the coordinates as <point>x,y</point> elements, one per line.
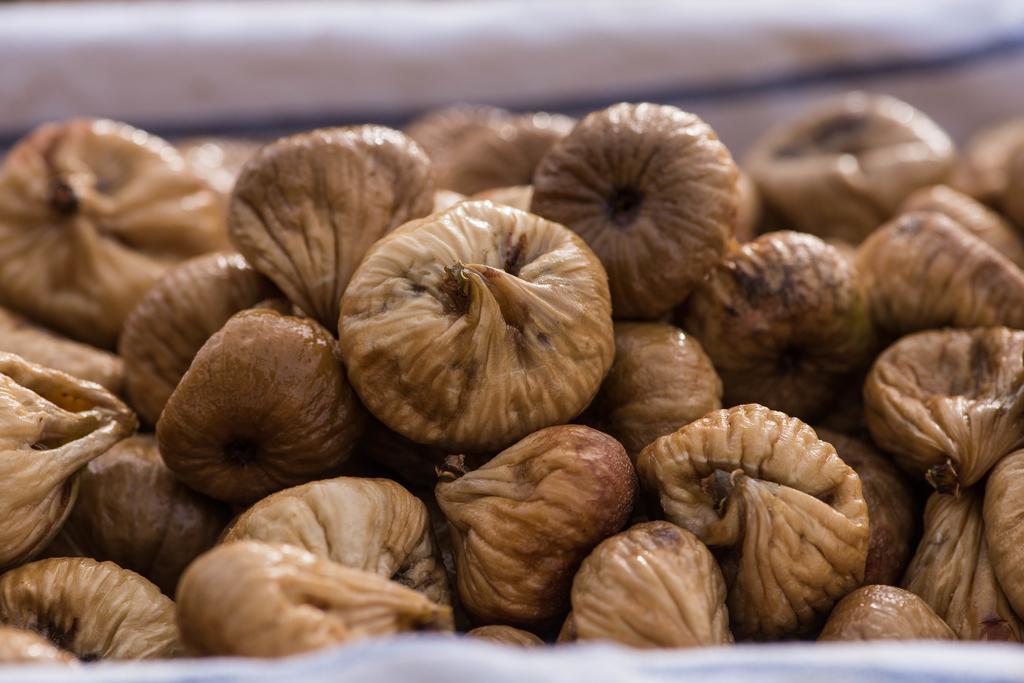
<point>517,376</point>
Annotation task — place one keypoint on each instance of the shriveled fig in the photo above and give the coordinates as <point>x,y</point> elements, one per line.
<point>783,512</point>
<point>91,214</point>
<point>259,600</point>
<point>1004,531</point>
<point>948,404</point>
<point>843,169</point>
<point>94,610</point>
<point>505,635</point>
<point>21,646</point>
<point>785,321</point>
<point>952,570</point>
<point>446,199</point>
<point>653,192</point>
<point>306,208</point>
<point>51,426</point>
<point>477,326</point>
<point>523,522</point>
<point>516,196</point>
<point>264,406</point>
<point>983,168</point>
<point>654,585</point>
<point>133,511</point>
<point>218,160</point>
<point>440,131</point>
<point>877,612</point>
<point>750,210</point>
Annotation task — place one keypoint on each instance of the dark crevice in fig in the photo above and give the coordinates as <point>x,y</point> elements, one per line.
<point>790,359</point>
<point>944,478</point>
<point>241,452</point>
<point>717,486</point>
<point>62,197</point>
<point>624,205</point>
<point>513,256</point>
<point>454,290</point>
<point>60,637</point>
<point>453,467</point>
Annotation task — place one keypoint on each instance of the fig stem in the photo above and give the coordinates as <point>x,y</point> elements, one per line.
<point>944,478</point>
<point>62,197</point>
<point>718,485</point>
<point>453,467</point>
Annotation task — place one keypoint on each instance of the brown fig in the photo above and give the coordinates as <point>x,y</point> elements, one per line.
<point>750,211</point>
<point>1013,196</point>
<point>983,168</point>
<point>440,131</point>
<point>21,646</point>
<point>505,635</point>
<point>884,613</point>
<point>1004,532</point>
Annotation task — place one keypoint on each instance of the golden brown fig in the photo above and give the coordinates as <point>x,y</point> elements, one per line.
<point>983,168</point>
<point>654,585</point>
<point>369,524</point>
<point>785,322</point>
<point>91,214</point>
<point>843,169</point>
<point>750,210</point>
<point>952,572</point>
<point>265,405</point>
<point>51,426</point>
<point>95,610</point>
<point>258,600</point>
<point>21,646</point>
<point>523,522</point>
<point>922,271</point>
<point>784,514</point>
<point>505,635</point>
<point>477,326</point>
<point>884,613</point>
<point>176,317</point>
<point>1004,531</point>
<point>440,131</point>
<point>218,160</point>
<point>948,404</point>
<point>517,196</point>
<point>653,191</point>
<point>132,511</point>
<point>661,380</point>
<point>446,199</point>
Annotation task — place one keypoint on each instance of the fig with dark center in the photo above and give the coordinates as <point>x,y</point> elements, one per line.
<point>884,613</point>
<point>1004,531</point>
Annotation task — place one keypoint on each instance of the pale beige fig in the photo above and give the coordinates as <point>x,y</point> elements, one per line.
<point>131,510</point>
<point>306,208</point>
<point>253,599</point>
<point>472,328</point>
<point>783,513</point>
<point>517,196</point>
<point>750,210</point>
<point>654,585</point>
<point>440,131</point>
<point>785,322</point>
<point>661,380</point>
<point>176,317</point>
<point>21,646</point>
<point>505,635</point>
<point>983,169</point>
<point>523,522</point>
<point>218,160</point>
<point>369,524</point>
<point>446,199</point>
<point>1004,530</point>
<point>653,191</point>
<point>91,214</point>
<point>952,570</point>
<point>948,404</point>
<point>51,426</point>
<point>265,405</point>
<point>842,169</point>
<point>878,612</point>
<point>94,610</point>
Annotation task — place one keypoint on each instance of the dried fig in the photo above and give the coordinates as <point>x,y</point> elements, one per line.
<point>843,169</point>
<point>982,171</point>
<point>1004,532</point>
<point>505,635</point>
<point>523,522</point>
<point>440,131</point>
<point>474,327</point>
<point>51,425</point>
<point>307,207</point>
<point>661,380</point>
<point>446,199</point>
<point>258,600</point>
<point>517,196</point>
<point>176,317</point>
<point>218,160</point>
<point>132,511</point>
<point>91,213</point>
<point>884,613</point>
<point>784,514</point>
<point>1013,197</point>
<point>21,646</point>
<point>264,405</point>
<point>952,572</point>
<point>654,585</point>
<point>948,404</point>
<point>749,210</point>
<point>653,191</point>
<point>94,610</point>
<point>785,321</point>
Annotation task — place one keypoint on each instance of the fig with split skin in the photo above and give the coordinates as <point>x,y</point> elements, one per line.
<point>878,612</point>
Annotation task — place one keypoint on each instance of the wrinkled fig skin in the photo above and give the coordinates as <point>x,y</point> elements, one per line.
<point>843,169</point>
<point>472,328</point>
<point>91,214</point>
<point>1004,530</point>
<point>952,571</point>
<point>653,192</point>
<point>892,507</point>
<point>306,208</point>
<point>51,426</point>
<point>884,613</point>
<point>505,635</point>
<point>523,522</point>
<point>654,585</point>
<point>441,131</point>
<point>923,271</point>
<point>21,646</point>
<point>517,196</point>
<point>131,510</point>
<point>221,435</point>
<point>784,513</point>
<point>176,317</point>
<point>369,524</point>
<point>785,322</point>
<point>40,345</point>
<point>661,380</point>
<point>948,404</point>
<point>252,599</point>
<point>94,610</point>
<point>983,170</point>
